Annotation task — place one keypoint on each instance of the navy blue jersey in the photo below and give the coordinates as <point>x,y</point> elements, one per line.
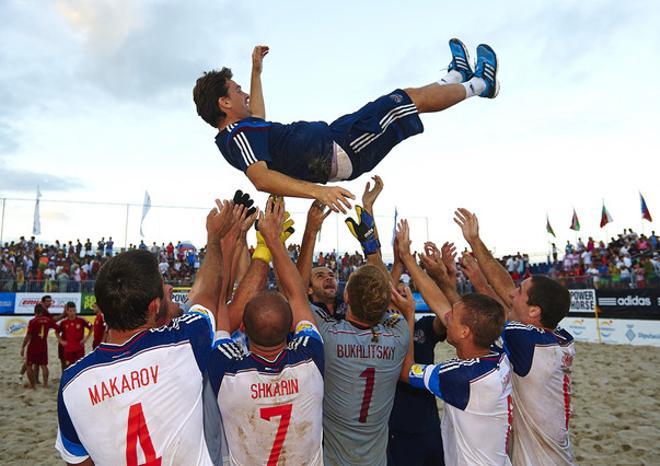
<point>415,410</point>
<point>301,150</point>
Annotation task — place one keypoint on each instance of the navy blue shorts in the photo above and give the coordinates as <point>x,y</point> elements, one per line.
<point>369,134</point>
<point>419,449</point>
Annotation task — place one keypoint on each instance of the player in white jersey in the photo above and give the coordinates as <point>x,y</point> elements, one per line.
<point>137,398</point>
<point>271,397</point>
<point>541,354</point>
<point>476,386</point>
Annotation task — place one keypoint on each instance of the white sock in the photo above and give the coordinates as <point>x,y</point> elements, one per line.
<point>452,77</point>
<point>474,86</point>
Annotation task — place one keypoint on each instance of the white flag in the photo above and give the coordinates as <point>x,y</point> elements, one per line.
<point>146,205</point>
<point>396,216</point>
<point>36,225</point>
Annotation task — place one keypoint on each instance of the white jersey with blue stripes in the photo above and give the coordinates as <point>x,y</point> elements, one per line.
<point>476,422</point>
<point>272,410</point>
<point>542,364</point>
<point>139,402</point>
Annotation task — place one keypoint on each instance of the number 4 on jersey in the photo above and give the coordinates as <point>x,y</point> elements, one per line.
<point>138,431</point>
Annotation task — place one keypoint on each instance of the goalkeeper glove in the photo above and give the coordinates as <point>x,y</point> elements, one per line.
<point>244,199</point>
<point>261,252</point>
<point>365,231</point>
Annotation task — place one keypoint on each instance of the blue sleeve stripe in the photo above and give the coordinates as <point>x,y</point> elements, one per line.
<point>72,447</point>
<point>205,314</point>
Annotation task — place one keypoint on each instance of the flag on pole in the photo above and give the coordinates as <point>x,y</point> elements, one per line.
<point>548,228</point>
<point>605,217</point>
<point>396,216</point>
<point>646,214</point>
<point>575,223</point>
<point>36,224</point>
<point>146,205</point>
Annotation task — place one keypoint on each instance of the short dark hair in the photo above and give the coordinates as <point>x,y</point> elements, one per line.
<point>208,89</point>
<point>125,286</point>
<point>70,304</point>
<point>552,297</point>
<point>45,297</point>
<point>368,294</point>
<point>484,317</point>
<point>267,319</point>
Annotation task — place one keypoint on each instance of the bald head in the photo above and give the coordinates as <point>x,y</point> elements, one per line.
<point>267,319</point>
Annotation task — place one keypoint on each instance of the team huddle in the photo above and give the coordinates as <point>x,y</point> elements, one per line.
<point>307,374</point>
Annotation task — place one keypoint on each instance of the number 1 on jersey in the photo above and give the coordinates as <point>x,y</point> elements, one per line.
<point>138,431</point>
<point>284,411</point>
<point>369,374</point>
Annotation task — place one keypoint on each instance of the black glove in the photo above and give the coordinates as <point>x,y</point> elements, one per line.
<point>244,199</point>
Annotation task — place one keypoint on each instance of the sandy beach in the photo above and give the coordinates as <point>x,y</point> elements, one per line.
<point>616,406</point>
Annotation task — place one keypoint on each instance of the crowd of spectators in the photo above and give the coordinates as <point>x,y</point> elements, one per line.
<point>30,266</point>
<point>630,260</point>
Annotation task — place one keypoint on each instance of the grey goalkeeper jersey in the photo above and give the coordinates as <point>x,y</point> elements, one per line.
<point>361,372</point>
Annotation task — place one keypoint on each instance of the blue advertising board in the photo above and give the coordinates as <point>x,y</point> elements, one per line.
<point>7,301</point>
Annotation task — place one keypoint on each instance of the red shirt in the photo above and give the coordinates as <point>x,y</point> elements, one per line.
<point>38,330</point>
<point>73,331</point>
<point>99,330</point>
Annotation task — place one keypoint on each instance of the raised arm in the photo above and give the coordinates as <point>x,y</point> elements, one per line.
<point>405,303</point>
<point>432,295</point>
<point>496,275</point>
<point>270,227</point>
<point>364,229</point>
<point>436,269</point>
<point>274,182</point>
<point>257,104</point>
<point>472,271</point>
<point>315,217</point>
<point>206,290</point>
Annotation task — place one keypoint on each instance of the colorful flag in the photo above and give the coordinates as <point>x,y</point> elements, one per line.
<point>575,223</point>
<point>646,214</point>
<point>605,217</point>
<point>146,205</point>
<point>548,228</point>
<point>36,224</point>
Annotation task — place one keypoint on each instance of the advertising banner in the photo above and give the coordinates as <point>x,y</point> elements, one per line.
<point>630,332</point>
<point>583,302</point>
<point>87,305</point>
<point>642,303</point>
<point>582,328</point>
<point>13,326</point>
<point>25,302</point>
<point>7,301</point>
<point>179,295</point>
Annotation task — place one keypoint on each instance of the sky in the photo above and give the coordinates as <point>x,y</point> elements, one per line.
<point>96,106</point>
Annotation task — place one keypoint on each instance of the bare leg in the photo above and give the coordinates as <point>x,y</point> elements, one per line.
<point>30,375</point>
<point>44,375</point>
<point>436,97</point>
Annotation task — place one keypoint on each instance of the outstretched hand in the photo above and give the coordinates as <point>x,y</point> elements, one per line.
<point>468,223</point>
<point>258,54</point>
<point>335,197</point>
<point>219,220</point>
<point>271,221</point>
<point>436,268</point>
<point>316,214</point>
<point>402,298</point>
<point>403,239</point>
<point>370,195</point>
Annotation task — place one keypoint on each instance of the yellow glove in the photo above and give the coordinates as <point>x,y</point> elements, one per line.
<point>261,252</point>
